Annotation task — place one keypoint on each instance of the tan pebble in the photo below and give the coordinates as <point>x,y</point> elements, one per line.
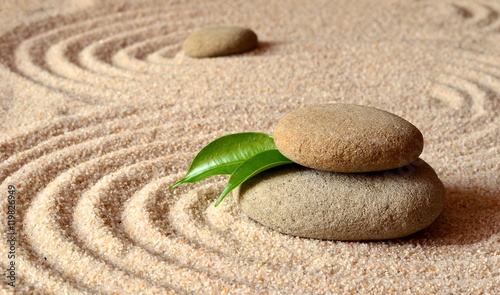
<point>219,41</point>
<point>347,138</point>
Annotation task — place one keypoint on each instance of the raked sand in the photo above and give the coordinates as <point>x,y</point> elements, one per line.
<point>100,111</point>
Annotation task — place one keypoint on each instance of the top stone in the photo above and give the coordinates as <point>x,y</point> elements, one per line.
<point>347,138</point>
<point>219,41</point>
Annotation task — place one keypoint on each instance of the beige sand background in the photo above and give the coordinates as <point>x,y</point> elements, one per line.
<point>100,111</point>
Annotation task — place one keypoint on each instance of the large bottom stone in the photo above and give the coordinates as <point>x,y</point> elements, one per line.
<point>344,206</point>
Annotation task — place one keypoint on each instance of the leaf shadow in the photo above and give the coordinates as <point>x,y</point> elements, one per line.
<point>470,216</point>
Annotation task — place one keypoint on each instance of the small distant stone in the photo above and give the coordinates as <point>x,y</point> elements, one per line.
<point>347,138</point>
<point>219,41</point>
<point>303,202</point>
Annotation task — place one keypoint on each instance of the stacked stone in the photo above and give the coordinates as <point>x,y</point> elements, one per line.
<point>358,177</point>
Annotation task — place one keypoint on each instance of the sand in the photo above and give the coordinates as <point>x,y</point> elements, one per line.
<point>100,111</point>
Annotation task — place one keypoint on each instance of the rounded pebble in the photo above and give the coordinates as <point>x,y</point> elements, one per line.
<point>347,138</point>
<point>219,41</point>
<point>303,202</point>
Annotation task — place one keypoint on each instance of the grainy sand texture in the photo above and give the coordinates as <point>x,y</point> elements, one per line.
<point>100,111</point>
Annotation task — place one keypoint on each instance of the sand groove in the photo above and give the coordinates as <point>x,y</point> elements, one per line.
<point>94,211</point>
<point>483,14</point>
<point>471,91</point>
<point>79,55</point>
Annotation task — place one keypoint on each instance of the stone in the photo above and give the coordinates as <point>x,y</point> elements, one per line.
<point>347,138</point>
<point>309,203</point>
<point>219,41</point>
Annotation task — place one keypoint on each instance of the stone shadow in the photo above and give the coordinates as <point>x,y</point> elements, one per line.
<point>265,48</point>
<point>470,216</point>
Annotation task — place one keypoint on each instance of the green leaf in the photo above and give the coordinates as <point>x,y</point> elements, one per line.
<point>254,165</point>
<point>225,154</point>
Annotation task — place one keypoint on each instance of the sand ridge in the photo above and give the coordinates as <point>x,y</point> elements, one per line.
<point>101,112</point>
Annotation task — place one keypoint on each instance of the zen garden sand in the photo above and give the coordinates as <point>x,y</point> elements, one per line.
<point>101,111</point>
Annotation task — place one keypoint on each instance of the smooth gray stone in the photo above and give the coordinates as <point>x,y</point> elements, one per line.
<point>309,203</point>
